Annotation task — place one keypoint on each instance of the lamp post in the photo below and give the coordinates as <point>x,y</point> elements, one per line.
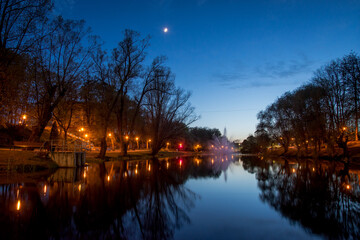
<point>148,143</point>
<point>137,142</point>
<point>112,141</point>
<point>125,145</point>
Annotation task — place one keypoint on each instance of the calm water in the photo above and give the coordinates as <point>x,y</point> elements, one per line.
<point>229,197</point>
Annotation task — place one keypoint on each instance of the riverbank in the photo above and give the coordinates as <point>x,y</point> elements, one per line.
<point>29,161</point>
<point>353,147</point>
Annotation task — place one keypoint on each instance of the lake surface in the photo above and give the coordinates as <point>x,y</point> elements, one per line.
<point>223,197</point>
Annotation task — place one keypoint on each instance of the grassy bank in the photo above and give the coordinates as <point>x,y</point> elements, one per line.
<point>24,161</point>
<point>29,161</point>
<point>353,147</point>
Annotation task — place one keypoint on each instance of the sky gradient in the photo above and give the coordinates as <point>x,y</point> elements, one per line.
<point>236,57</point>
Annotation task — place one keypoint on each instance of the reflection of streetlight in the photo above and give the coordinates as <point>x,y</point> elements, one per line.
<point>18,205</point>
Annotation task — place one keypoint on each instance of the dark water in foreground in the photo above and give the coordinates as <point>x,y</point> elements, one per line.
<point>229,197</point>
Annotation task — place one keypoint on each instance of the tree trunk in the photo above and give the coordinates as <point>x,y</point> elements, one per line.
<point>39,129</point>
<point>124,148</point>
<point>103,147</point>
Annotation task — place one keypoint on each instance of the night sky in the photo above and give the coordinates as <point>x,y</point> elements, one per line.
<point>236,57</point>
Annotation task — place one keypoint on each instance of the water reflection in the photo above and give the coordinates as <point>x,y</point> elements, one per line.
<point>127,200</point>
<point>153,199</point>
<point>322,197</point>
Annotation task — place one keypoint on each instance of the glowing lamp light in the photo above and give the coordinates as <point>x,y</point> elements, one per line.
<point>180,145</point>
<point>180,162</point>
<point>45,189</point>
<point>293,170</point>
<point>136,171</point>
<point>149,140</point>
<point>109,134</point>
<point>348,187</point>
<point>127,138</point>
<point>108,178</point>
<point>86,136</point>
<point>24,117</point>
<point>18,205</point>
<point>79,187</point>
<point>149,168</point>
<point>344,128</point>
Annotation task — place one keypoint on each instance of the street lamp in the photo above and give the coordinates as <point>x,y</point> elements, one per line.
<point>137,142</point>
<point>112,141</point>
<point>147,143</point>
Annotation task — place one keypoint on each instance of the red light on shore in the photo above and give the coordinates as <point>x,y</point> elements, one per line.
<point>180,145</point>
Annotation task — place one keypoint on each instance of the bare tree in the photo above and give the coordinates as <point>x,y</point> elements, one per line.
<point>124,67</point>
<point>19,21</point>
<point>167,109</point>
<point>127,60</point>
<point>64,111</point>
<point>58,62</point>
<point>350,68</point>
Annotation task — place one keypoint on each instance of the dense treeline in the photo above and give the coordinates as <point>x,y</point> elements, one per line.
<point>324,111</point>
<point>52,70</point>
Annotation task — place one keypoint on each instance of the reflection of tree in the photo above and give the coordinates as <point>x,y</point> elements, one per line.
<point>315,197</point>
<point>164,205</point>
<point>108,200</point>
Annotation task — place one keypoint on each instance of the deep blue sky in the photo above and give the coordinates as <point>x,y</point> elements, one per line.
<point>236,57</point>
